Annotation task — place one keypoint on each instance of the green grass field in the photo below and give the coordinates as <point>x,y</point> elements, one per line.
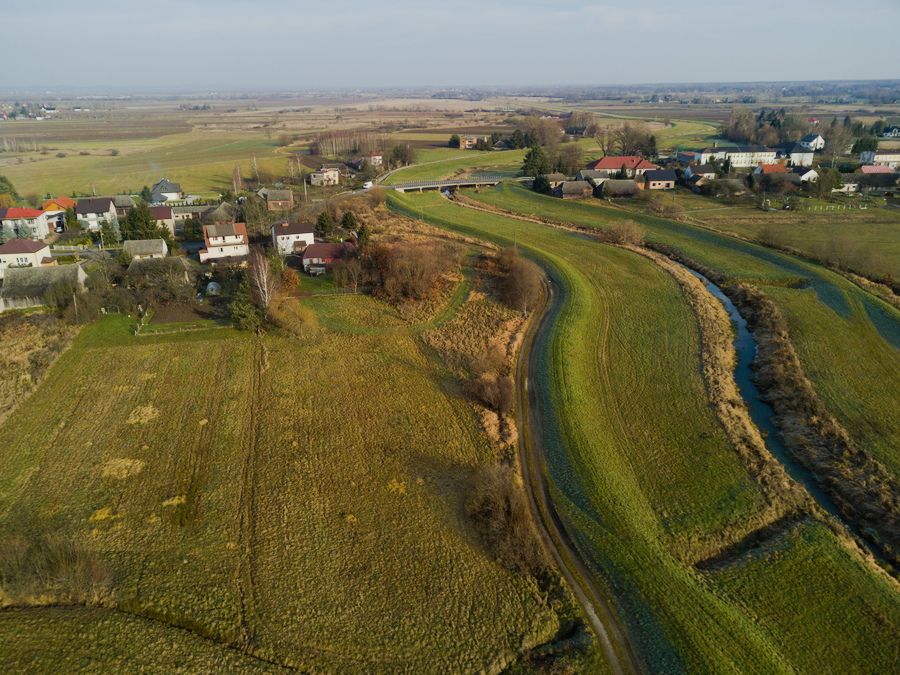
<point>298,498</point>
<point>829,317</point>
<point>640,469</point>
<point>441,163</point>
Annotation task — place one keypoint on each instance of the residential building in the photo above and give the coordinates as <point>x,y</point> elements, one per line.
<point>556,179</point>
<point>871,169</point>
<point>797,154</point>
<point>325,176</point>
<point>145,249</point>
<point>769,169</point>
<point>631,165</point>
<point>27,286</point>
<point>812,142</point>
<point>165,191</point>
<point>23,223</point>
<point>807,174</point>
<point>92,212</point>
<point>61,203</point>
<point>319,257</point>
<point>123,204</point>
<point>278,200</point>
<point>657,179</point>
<point>740,156</point>
<point>163,217</point>
<point>707,171</point>
<point>292,237</point>
<point>24,253</point>
<point>225,240</point>
<point>469,141</point>
<point>891,132</point>
<point>574,189</point>
<point>889,158</point>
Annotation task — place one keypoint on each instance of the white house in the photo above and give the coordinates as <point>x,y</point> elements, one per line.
<point>23,253</point>
<point>799,154</point>
<point>165,191</point>
<point>225,240</point>
<point>812,142</point>
<point>94,211</point>
<point>707,171</point>
<point>807,175</point>
<point>889,158</point>
<point>740,156</point>
<point>325,176</point>
<point>292,237</point>
<point>146,249</point>
<point>24,223</point>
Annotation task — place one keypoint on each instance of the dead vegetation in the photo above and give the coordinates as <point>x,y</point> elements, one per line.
<point>31,342</point>
<point>498,507</point>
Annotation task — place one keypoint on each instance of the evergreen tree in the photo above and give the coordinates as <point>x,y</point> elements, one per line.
<point>454,141</point>
<point>324,224</point>
<point>536,162</point>
<point>349,221</point>
<point>244,312</point>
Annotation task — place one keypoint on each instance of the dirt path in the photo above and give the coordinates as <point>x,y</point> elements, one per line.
<point>599,612</point>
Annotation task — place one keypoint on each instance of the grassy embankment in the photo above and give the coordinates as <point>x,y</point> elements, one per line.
<point>228,498</point>
<point>829,317</point>
<point>642,474</point>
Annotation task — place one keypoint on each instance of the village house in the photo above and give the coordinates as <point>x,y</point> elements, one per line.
<point>574,189</point>
<point>890,158</point>
<point>163,217</point>
<point>769,169</point>
<point>891,132</point>
<point>165,191</point>
<point>24,253</point>
<point>707,171</point>
<point>277,200</point>
<point>469,141</point>
<point>630,165</point>
<point>225,240</point>
<point>807,174</point>
<point>292,237</point>
<point>24,223</point>
<point>812,142</point>
<point>325,176</point>
<point>61,203</point>
<point>319,257</point>
<point>556,179</point>
<point>797,154</point>
<point>123,204</point>
<point>92,212</point>
<point>740,156</point>
<point>657,179</point>
<point>145,249</point>
<point>25,287</point>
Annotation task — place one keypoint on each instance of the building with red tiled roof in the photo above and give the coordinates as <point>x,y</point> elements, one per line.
<point>225,240</point>
<point>319,257</point>
<point>61,203</point>
<point>768,169</point>
<point>22,222</point>
<point>875,169</point>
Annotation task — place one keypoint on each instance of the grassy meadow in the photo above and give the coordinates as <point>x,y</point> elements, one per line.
<point>284,500</point>
<point>829,316</point>
<point>642,474</point>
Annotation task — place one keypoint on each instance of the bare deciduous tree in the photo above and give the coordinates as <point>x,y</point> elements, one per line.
<point>263,280</point>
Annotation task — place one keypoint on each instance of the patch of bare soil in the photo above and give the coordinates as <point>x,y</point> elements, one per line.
<point>122,467</point>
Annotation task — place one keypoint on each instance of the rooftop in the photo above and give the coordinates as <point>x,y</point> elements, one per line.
<point>22,246</point>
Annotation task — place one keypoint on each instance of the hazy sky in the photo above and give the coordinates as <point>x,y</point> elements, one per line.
<point>293,44</point>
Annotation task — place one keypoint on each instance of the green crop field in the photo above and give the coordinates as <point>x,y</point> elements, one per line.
<point>640,471</point>
<point>829,317</point>
<point>441,163</point>
<point>256,501</point>
<point>201,160</point>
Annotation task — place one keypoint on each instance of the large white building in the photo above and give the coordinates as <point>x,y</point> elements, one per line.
<point>740,156</point>
<point>292,237</point>
<point>24,223</point>
<point>890,158</point>
<point>23,253</point>
<point>225,240</point>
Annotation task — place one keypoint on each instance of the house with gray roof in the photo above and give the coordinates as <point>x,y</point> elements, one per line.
<point>27,286</point>
<point>165,191</point>
<point>142,249</point>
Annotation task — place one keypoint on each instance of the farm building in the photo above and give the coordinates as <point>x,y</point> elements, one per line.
<point>223,213</point>
<point>319,257</point>
<point>591,176</point>
<point>277,200</point>
<point>225,240</point>
<point>142,249</point>
<point>870,169</point>
<point>27,286</point>
<point>889,158</point>
<point>619,187</point>
<point>24,253</point>
<point>657,179</point>
<point>292,237</point>
<point>630,165</point>
<point>174,269</point>
<point>574,189</point>
<point>556,179</point>
<point>769,169</point>
<point>24,223</point>
<point>740,156</point>
<point>707,171</point>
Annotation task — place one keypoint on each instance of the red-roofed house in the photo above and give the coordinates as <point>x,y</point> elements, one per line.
<point>225,240</point>
<point>633,165</point>
<point>163,217</point>
<point>24,253</point>
<point>319,257</point>
<point>875,169</point>
<point>24,223</point>
<point>61,203</point>
<point>769,169</point>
